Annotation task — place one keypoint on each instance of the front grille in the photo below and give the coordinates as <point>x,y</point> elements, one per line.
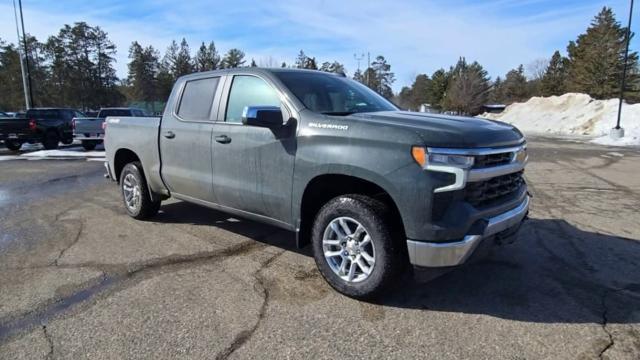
<point>488,192</point>
<point>484,161</point>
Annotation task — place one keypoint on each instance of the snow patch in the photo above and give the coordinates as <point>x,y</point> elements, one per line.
<point>573,114</point>
<point>67,153</point>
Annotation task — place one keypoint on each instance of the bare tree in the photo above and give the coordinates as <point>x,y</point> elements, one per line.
<point>537,68</point>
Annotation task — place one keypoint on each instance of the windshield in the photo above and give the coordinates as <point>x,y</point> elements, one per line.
<point>331,94</point>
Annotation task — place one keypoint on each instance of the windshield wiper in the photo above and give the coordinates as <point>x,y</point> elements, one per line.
<point>338,113</point>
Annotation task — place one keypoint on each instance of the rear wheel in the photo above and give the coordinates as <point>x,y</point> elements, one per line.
<point>67,141</point>
<point>50,140</point>
<point>89,145</point>
<point>13,145</point>
<point>354,246</point>
<point>135,193</point>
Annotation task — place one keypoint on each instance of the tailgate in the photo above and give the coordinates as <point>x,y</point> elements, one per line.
<point>88,125</point>
<point>13,126</point>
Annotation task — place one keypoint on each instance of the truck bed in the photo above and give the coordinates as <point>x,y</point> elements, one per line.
<point>140,135</point>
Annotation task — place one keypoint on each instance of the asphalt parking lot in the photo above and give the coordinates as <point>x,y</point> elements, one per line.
<point>80,279</point>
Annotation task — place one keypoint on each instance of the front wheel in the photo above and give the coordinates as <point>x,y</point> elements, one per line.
<point>13,145</point>
<point>354,246</point>
<point>135,193</point>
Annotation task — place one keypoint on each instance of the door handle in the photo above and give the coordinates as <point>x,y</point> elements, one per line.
<point>169,134</point>
<point>223,139</point>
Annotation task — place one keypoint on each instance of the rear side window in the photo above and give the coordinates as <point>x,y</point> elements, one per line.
<point>249,91</point>
<point>197,99</point>
<point>114,112</point>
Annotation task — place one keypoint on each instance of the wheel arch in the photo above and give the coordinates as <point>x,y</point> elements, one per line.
<point>324,187</point>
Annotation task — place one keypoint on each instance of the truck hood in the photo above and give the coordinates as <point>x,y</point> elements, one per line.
<point>448,131</point>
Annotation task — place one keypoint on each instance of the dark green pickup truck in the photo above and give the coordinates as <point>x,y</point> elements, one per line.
<point>48,126</point>
<point>369,186</point>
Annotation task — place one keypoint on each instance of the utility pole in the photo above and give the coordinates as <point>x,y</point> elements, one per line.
<point>25,87</point>
<point>26,53</point>
<point>618,132</point>
<point>358,58</point>
<point>368,67</point>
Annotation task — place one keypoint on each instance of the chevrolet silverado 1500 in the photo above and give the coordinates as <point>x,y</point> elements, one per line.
<point>369,186</point>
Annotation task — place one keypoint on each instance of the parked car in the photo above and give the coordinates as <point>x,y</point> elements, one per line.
<point>4,114</point>
<point>90,130</point>
<point>48,126</point>
<point>369,186</point>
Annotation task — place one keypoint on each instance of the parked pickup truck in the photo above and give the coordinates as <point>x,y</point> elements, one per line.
<point>369,186</point>
<point>48,126</point>
<point>90,130</point>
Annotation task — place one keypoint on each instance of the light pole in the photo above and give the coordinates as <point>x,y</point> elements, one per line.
<point>25,87</point>
<point>618,132</point>
<point>358,58</point>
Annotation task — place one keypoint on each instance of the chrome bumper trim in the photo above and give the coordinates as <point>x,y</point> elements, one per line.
<point>464,176</point>
<point>430,254</point>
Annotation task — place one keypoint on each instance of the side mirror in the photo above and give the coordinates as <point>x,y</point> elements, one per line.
<point>263,116</point>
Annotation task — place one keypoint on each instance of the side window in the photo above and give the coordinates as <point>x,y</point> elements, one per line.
<point>197,99</point>
<point>248,91</point>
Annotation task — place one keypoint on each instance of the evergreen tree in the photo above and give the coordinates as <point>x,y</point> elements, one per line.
<point>496,95</point>
<point>207,58</point>
<point>420,91</point>
<point>284,65</point>
<point>253,63</point>
<point>143,72</point>
<point>468,88</point>
<point>183,65</point>
<point>233,58</point>
<point>554,79</point>
<point>334,67</point>
<point>514,86</point>
<point>596,59</point>
<point>380,77</point>
<point>358,76</point>
<point>301,60</point>
<point>11,91</point>
<point>438,89</point>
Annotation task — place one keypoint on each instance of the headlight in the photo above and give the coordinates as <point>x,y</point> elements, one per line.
<point>425,159</point>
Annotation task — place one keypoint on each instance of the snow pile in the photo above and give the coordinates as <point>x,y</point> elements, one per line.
<point>573,114</point>
<point>67,153</point>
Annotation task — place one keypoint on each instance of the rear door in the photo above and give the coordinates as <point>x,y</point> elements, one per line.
<point>252,166</point>
<point>185,138</point>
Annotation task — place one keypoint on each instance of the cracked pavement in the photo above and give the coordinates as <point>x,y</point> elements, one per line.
<point>80,279</point>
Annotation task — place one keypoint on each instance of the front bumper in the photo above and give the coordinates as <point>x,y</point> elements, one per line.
<point>431,254</point>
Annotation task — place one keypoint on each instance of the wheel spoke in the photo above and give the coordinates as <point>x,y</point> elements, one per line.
<point>370,260</point>
<point>365,241</point>
<point>345,227</point>
<point>352,272</point>
<point>333,253</point>
<point>337,230</point>
<point>343,266</point>
<point>359,231</point>
<point>365,269</point>
<point>331,242</point>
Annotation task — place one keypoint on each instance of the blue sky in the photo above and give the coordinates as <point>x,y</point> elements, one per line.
<point>415,36</point>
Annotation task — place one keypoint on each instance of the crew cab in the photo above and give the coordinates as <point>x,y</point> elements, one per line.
<point>48,126</point>
<point>369,186</point>
<point>90,130</point>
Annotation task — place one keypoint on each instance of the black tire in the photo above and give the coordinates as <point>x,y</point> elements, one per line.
<point>89,145</point>
<point>374,215</point>
<point>146,207</point>
<point>67,141</point>
<point>50,140</point>
<point>13,145</point>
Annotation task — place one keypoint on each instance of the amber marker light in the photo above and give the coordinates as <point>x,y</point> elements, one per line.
<point>419,155</point>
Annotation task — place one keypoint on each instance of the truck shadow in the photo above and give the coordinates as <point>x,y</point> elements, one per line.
<point>553,273</point>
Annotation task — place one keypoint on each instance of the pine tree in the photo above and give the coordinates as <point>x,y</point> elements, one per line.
<point>380,77</point>
<point>253,63</point>
<point>207,58</point>
<point>496,94</point>
<point>284,65</point>
<point>334,67</point>
<point>310,63</point>
<point>514,86</point>
<point>468,88</point>
<point>554,79</point>
<point>438,89</point>
<point>301,60</point>
<point>143,72</point>
<point>596,58</point>
<point>183,64</point>
<point>233,58</point>
<point>420,91</point>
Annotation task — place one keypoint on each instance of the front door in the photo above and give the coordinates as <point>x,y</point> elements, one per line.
<point>253,166</point>
<point>185,139</point>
